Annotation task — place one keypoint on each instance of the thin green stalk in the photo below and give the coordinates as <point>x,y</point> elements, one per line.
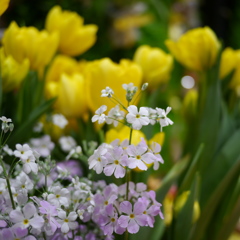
<point>128,171</point>
<point>8,183</point>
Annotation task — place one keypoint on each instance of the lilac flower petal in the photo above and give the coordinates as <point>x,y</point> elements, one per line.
<point>141,165</point>
<point>109,169</point>
<point>123,221</point>
<point>65,228</point>
<point>16,216</point>
<point>126,207</point>
<point>29,210</point>
<point>119,172</point>
<point>139,208</point>
<point>37,222</point>
<point>133,227</point>
<point>141,220</point>
<point>108,229</point>
<point>19,232</point>
<point>72,216</point>
<point>73,225</point>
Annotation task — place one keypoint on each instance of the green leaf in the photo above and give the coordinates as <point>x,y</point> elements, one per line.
<point>184,219</point>
<point>24,130</point>
<point>170,178</point>
<point>213,202</point>
<point>229,214</point>
<point>190,174</point>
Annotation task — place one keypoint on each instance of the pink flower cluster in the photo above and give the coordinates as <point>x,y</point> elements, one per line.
<point>114,158</point>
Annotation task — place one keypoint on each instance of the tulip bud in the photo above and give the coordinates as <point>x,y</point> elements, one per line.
<point>197,49</point>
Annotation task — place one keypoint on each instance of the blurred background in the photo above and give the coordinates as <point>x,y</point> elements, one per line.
<point>124,25</point>
<point>127,24</point>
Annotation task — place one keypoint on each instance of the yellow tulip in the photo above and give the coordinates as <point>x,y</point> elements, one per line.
<point>155,63</point>
<point>70,91</point>
<point>103,73</point>
<point>197,49</point>
<point>61,64</point>
<point>229,60</point>
<point>74,37</point>
<point>122,134</point>
<point>28,42</point>
<point>158,138</point>
<point>12,72</point>
<point>3,6</point>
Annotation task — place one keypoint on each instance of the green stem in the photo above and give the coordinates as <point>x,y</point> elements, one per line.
<point>128,171</point>
<point>8,183</point>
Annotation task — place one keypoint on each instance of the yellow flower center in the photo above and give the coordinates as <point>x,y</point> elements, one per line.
<point>131,215</point>
<point>99,159</point>
<point>116,162</point>
<point>113,220</point>
<point>25,221</point>
<point>106,202</point>
<point>66,220</point>
<point>138,116</point>
<point>57,196</point>
<point>23,186</point>
<point>138,157</point>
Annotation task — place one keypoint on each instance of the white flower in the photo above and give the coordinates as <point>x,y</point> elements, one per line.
<point>152,114</point>
<point>60,196</point>
<point>5,120</point>
<point>29,165</point>
<point>162,117</point>
<point>100,116</point>
<point>67,222</point>
<point>129,87</point>
<point>27,217</point>
<point>67,143</point>
<point>38,127</point>
<point>23,183</point>
<point>59,120</point>
<point>137,118</point>
<point>75,152</point>
<point>98,161</point>
<point>8,150</point>
<point>114,116</point>
<point>156,149</point>
<point>42,145</point>
<point>107,92</point>
<point>23,151</point>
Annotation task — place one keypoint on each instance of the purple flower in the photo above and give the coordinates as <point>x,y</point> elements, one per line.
<point>67,222</point>
<point>117,161</point>
<point>156,149</point>
<point>110,221</point>
<point>27,217</point>
<point>49,211</point>
<point>72,166</point>
<point>139,157</point>
<point>15,233</point>
<point>98,161</point>
<point>134,218</point>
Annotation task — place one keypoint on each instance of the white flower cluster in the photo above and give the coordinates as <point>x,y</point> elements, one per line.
<point>133,116</point>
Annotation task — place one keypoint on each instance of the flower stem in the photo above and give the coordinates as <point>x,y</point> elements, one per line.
<point>128,171</point>
<point>8,182</point>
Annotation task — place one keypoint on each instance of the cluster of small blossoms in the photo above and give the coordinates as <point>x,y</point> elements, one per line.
<point>134,117</point>
<point>116,157</point>
<point>129,206</point>
<point>39,206</point>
